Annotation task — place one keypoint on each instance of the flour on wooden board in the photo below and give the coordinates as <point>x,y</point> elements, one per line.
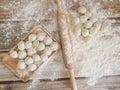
<point>96,58</point>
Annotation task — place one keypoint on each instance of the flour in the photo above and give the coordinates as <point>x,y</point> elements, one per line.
<point>100,56</point>
<point>95,59</point>
<point>24,17</point>
<point>66,39</point>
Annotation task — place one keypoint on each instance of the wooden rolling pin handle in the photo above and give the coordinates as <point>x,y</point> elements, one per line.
<point>72,79</point>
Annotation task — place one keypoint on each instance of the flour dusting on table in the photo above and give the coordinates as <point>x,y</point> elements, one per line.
<point>96,58</point>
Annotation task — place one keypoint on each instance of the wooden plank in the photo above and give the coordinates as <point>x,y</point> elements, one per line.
<point>12,32</point>
<point>105,5</point>
<point>38,85</point>
<point>114,6</point>
<point>11,9</point>
<point>62,84</point>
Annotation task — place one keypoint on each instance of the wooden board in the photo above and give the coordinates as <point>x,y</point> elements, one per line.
<point>44,81</point>
<point>19,9</point>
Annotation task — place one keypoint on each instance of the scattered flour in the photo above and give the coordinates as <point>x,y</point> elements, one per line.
<point>96,58</point>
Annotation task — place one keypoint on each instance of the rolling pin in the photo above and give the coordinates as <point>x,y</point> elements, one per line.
<point>66,42</point>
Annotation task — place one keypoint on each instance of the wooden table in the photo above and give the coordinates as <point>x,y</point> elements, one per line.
<point>44,81</point>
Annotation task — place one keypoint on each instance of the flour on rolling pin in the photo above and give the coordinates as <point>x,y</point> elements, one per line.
<point>31,52</point>
<point>66,39</point>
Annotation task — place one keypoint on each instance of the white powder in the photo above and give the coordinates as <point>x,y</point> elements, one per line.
<point>100,56</point>
<point>96,58</point>
<point>66,39</point>
<point>29,10</point>
<point>23,73</point>
<point>24,17</point>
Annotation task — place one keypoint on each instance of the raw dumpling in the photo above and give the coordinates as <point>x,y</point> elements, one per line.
<point>36,57</point>
<point>21,64</point>
<point>92,30</point>
<point>28,60</point>
<point>54,46</point>
<point>32,67</point>
<point>47,51</point>
<point>31,51</point>
<point>47,40</point>
<point>104,27</point>
<point>83,19</point>
<point>35,43</point>
<point>82,10</point>
<point>44,57</point>
<point>93,18</point>
<point>88,14</point>
<point>32,37</point>
<point>85,32</point>
<point>76,20</point>
<point>41,36</point>
<point>88,24</point>
<point>13,54</point>
<point>77,30</point>
<point>22,54</point>
<point>98,25</point>
<point>41,47</point>
<point>28,44</point>
<point>21,45</point>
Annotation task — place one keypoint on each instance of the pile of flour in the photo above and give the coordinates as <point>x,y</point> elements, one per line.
<point>100,56</point>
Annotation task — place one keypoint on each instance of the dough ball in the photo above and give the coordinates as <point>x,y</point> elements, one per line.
<point>29,60</point>
<point>93,18</point>
<point>54,46</point>
<point>88,24</point>
<point>92,10</point>
<point>76,20</point>
<point>22,54</point>
<point>104,27</point>
<point>35,43</point>
<point>48,40</point>
<point>31,51</point>
<point>88,14</point>
<point>21,45</point>
<point>41,46</point>
<point>28,44</point>
<point>82,10</point>
<point>41,36</point>
<point>77,30</point>
<point>44,57</point>
<point>36,57</point>
<point>92,30</point>
<point>83,19</point>
<point>32,67</point>
<point>47,51</point>
<point>98,25</point>
<point>86,39</point>
<point>32,37</point>
<point>85,32</point>
<point>73,13</point>
<point>21,64</point>
<point>13,54</point>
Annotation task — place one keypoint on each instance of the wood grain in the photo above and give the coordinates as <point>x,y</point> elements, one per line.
<point>12,8</point>
<point>8,81</point>
<point>62,84</point>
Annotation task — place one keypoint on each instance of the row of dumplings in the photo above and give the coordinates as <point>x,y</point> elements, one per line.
<point>38,47</point>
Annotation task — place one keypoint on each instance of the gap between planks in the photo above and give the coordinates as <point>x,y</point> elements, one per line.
<point>63,84</point>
